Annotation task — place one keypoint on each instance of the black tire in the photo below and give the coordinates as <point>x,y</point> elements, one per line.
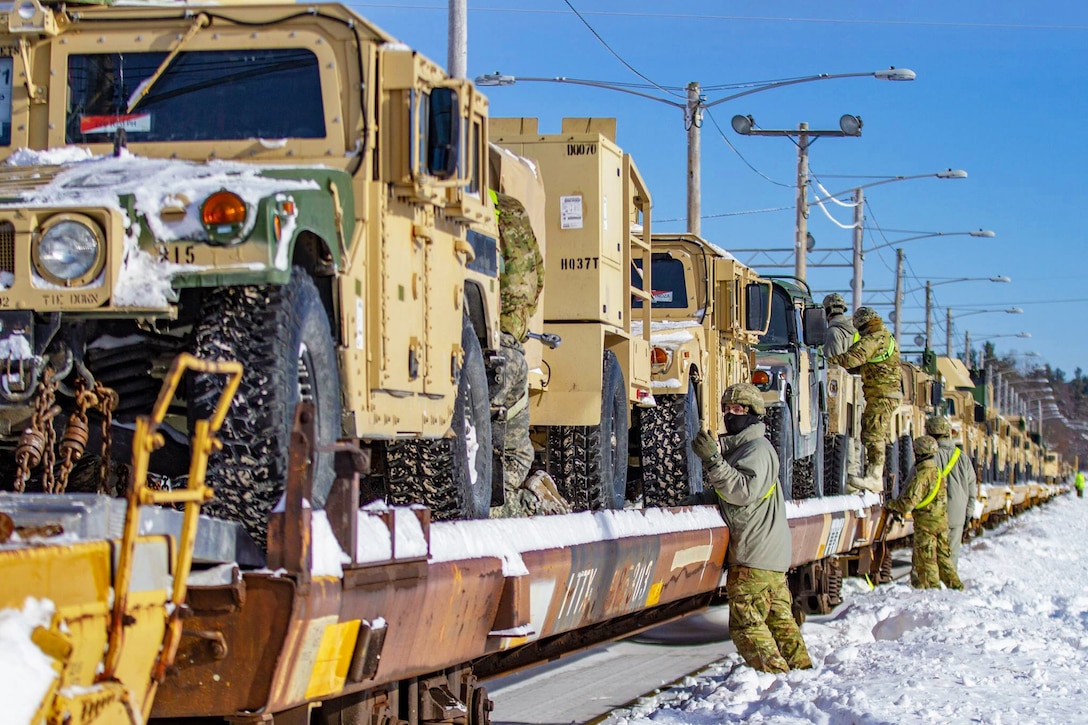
<point>891,469</point>
<point>808,472</point>
<point>780,433</point>
<point>671,472</point>
<point>589,462</point>
<point>438,473</point>
<point>281,335</point>
<point>836,455</point>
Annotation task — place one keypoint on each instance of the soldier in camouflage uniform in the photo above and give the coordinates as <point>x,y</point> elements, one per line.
<point>744,475</point>
<point>841,333</point>
<point>521,280</point>
<point>959,473</point>
<point>926,499</point>
<point>876,355</point>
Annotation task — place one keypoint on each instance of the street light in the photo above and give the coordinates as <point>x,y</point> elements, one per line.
<point>848,126</point>
<point>984,233</point>
<point>693,113</point>
<point>899,292</point>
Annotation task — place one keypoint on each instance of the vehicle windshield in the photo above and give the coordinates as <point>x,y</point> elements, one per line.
<point>778,332</point>
<point>669,280</point>
<point>203,95</point>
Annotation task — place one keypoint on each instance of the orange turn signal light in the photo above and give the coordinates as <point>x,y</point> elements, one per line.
<point>223,207</point>
<point>761,377</point>
<point>658,356</point>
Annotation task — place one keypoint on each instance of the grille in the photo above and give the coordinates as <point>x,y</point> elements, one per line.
<point>7,247</point>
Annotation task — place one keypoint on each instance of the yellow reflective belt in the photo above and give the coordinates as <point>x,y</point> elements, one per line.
<point>770,490</point>
<point>495,201</point>
<point>886,354</point>
<point>940,477</point>
<point>856,337</point>
<point>763,498</point>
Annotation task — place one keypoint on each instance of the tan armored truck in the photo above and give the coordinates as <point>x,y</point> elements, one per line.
<point>597,223</point>
<point>282,185</point>
<point>708,312</point>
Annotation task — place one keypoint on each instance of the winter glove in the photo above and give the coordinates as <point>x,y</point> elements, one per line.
<point>705,446</point>
<point>895,517</point>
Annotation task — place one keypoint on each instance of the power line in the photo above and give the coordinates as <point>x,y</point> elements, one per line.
<point>738,153</point>
<point>617,55</point>
<point>744,18</point>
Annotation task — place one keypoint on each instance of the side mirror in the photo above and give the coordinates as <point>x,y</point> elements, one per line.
<point>815,326</point>
<point>936,395</point>
<point>757,306</point>
<point>444,133</point>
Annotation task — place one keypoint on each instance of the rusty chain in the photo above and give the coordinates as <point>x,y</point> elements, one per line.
<point>107,402</point>
<point>74,441</point>
<point>36,443</point>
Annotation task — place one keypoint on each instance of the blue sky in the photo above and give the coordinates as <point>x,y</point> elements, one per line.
<point>1000,93</point>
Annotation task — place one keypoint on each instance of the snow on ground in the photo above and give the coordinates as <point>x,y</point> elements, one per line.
<point>1012,648</point>
<point>25,673</point>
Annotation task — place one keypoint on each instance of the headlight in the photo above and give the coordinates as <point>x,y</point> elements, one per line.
<point>69,251</point>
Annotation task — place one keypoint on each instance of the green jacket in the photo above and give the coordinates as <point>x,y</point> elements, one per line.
<point>746,481</point>
<point>840,335</point>
<point>877,355</point>
<point>961,482</point>
<point>923,477</point>
<point>1079,481</point>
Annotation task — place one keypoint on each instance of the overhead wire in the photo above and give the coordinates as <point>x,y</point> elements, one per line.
<point>740,155</point>
<point>617,55</point>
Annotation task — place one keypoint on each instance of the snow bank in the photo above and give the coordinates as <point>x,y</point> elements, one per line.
<point>26,673</point>
<point>1012,648</point>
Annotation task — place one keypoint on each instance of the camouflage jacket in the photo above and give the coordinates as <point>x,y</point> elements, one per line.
<point>877,355</point>
<point>522,277</point>
<point>752,504</point>
<point>961,481</point>
<point>923,477</point>
<point>840,335</point>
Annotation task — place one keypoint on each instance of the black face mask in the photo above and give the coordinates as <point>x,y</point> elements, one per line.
<point>736,423</point>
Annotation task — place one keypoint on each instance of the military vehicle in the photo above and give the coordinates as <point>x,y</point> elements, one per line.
<point>708,310</point>
<point>791,372</point>
<point>597,229</point>
<point>284,186</point>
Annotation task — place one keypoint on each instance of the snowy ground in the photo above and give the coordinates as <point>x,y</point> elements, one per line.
<point>1012,648</point>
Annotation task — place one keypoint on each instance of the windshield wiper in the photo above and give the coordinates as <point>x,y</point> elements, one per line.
<point>202,21</point>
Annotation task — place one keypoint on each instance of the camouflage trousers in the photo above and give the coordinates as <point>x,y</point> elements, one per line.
<point>510,428</point>
<point>761,621</point>
<point>931,558</point>
<point>876,422</point>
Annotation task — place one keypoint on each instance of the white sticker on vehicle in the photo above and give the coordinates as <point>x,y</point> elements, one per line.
<point>135,122</point>
<point>663,295</point>
<point>570,212</point>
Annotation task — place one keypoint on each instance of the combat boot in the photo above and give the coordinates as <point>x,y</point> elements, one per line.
<point>857,484</point>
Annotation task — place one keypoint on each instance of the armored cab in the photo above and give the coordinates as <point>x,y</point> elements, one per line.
<point>708,311</point>
<point>292,189</point>
<point>792,375</point>
<point>597,224</point>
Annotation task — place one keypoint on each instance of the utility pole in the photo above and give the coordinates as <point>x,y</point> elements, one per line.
<point>898,294</point>
<point>457,39</point>
<point>929,313</point>
<point>848,126</point>
<point>693,119</point>
<point>859,238</point>
<point>800,244</point>
<point>948,332</point>
<point>967,348</point>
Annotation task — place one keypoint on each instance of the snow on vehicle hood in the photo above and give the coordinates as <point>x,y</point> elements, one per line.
<point>85,180</point>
